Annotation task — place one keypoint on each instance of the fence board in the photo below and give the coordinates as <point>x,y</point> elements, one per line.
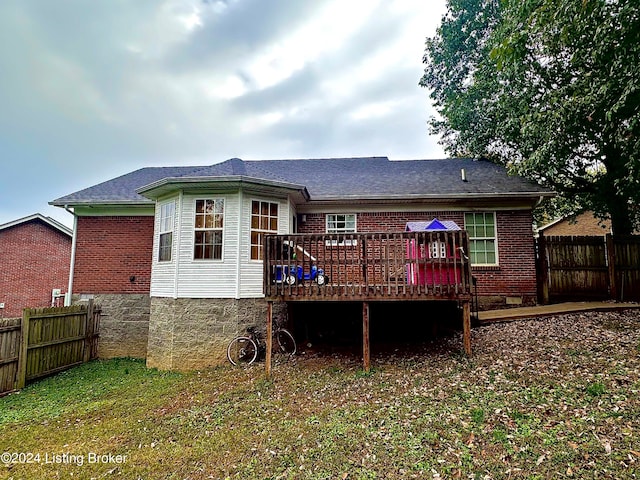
<point>627,267</point>
<point>589,267</point>
<point>9,348</point>
<point>45,341</point>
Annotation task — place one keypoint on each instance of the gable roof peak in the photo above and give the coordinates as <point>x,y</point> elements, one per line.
<point>38,217</point>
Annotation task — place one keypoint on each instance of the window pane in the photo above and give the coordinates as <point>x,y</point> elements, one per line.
<point>264,219</point>
<point>164,253</point>
<point>341,223</point>
<point>482,242</point>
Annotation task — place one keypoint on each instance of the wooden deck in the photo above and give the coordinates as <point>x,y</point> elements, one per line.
<point>368,267</point>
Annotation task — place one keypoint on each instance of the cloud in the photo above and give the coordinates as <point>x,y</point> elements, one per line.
<point>93,90</point>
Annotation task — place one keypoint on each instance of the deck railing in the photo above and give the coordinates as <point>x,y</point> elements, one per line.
<point>361,266</point>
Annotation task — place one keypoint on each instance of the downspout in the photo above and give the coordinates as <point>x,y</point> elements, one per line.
<point>74,239</point>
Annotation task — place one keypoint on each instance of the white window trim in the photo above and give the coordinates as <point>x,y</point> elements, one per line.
<point>494,238</point>
<point>171,228</point>
<point>266,232</point>
<point>195,229</point>
<point>346,242</point>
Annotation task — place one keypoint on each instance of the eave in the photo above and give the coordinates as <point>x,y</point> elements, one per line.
<point>169,185</point>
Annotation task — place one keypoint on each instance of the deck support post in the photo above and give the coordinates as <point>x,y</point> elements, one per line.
<point>366,351</point>
<point>466,326</point>
<point>269,340</point>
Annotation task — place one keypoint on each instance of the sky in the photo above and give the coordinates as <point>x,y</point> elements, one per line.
<point>91,90</point>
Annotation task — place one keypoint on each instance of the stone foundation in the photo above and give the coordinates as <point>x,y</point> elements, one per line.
<point>124,324</point>
<point>189,334</point>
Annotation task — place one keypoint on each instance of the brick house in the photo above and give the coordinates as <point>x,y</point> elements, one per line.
<point>584,223</point>
<point>177,251</point>
<point>35,252</point>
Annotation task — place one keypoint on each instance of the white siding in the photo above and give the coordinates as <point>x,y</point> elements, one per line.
<point>163,273</point>
<point>208,278</point>
<point>235,275</point>
<point>251,270</point>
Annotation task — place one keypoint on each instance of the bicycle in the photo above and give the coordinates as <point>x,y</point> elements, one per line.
<point>245,349</point>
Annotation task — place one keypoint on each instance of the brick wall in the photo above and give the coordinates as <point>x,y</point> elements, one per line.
<point>34,259</point>
<point>113,255</point>
<point>514,277</point>
<point>516,274</point>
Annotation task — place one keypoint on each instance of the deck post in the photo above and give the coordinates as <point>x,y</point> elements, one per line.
<point>366,351</point>
<point>466,326</point>
<point>267,360</point>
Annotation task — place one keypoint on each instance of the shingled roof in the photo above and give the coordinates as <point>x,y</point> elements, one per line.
<point>327,179</point>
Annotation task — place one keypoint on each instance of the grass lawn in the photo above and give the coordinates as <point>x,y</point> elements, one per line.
<point>557,397</point>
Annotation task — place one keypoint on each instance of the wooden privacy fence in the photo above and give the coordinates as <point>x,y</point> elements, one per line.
<point>46,341</point>
<point>589,268</point>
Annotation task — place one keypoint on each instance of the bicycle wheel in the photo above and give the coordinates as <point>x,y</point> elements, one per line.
<point>242,351</point>
<point>286,342</point>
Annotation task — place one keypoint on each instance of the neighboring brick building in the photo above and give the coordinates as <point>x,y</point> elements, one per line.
<point>584,223</point>
<point>35,254</point>
<point>175,253</point>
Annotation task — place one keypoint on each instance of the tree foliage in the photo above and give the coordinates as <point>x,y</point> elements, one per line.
<point>550,88</point>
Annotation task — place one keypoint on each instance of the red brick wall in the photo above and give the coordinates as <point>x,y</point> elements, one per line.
<point>113,255</point>
<point>34,259</point>
<point>516,273</point>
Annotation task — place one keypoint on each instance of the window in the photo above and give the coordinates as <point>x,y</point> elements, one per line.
<point>208,229</point>
<point>482,237</point>
<point>438,249</point>
<point>167,216</point>
<point>341,223</point>
<point>264,220</point>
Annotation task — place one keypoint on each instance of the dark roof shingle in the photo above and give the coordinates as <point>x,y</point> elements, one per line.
<point>330,178</point>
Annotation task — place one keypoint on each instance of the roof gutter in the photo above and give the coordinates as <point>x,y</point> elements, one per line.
<point>421,196</point>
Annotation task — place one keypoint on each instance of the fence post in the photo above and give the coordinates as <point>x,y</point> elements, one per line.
<point>611,262</point>
<point>544,268</point>
<point>88,331</point>
<point>21,375</point>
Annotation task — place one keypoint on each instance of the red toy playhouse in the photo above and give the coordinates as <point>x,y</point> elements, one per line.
<point>431,256</point>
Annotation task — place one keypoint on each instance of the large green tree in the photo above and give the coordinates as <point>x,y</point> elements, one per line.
<point>550,88</point>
